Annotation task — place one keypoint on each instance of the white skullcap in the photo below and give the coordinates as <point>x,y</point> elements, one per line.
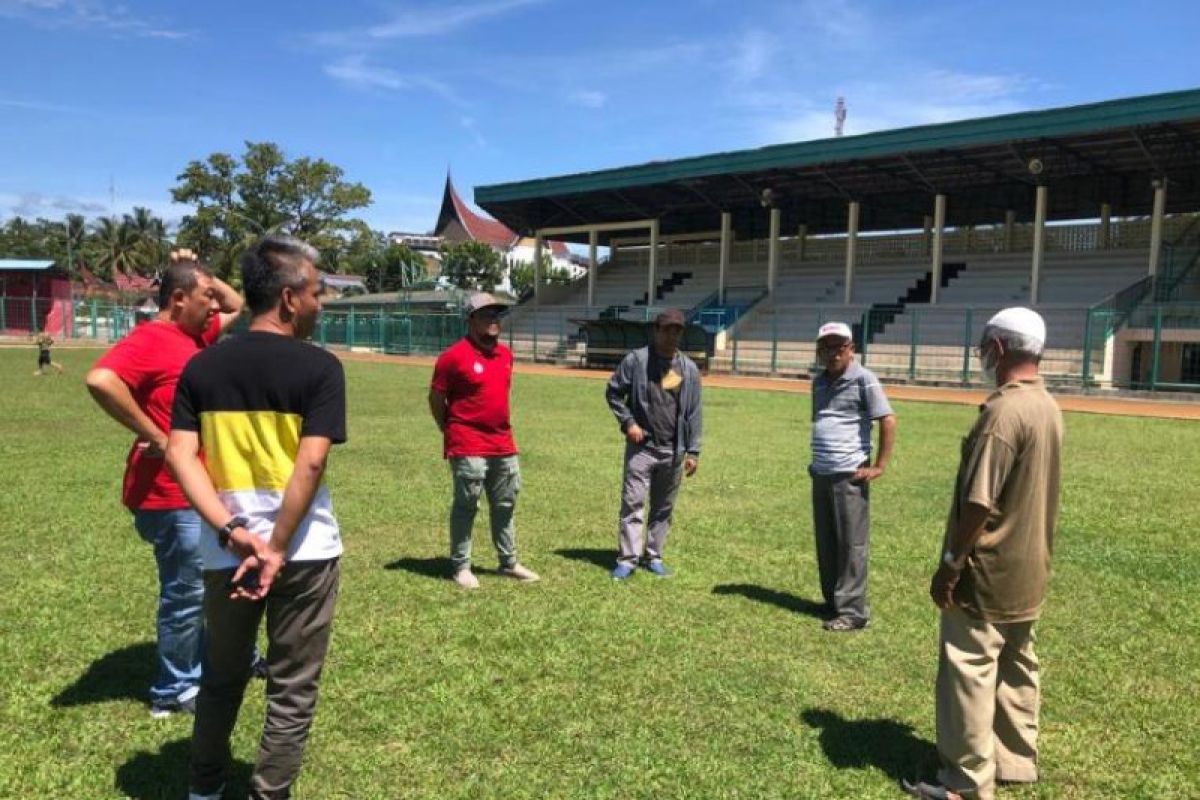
<point>1025,321</point>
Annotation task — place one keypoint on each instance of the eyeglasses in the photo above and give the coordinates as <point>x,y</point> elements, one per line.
<point>830,349</point>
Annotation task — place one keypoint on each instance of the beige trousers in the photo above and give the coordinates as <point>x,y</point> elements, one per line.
<point>987,704</point>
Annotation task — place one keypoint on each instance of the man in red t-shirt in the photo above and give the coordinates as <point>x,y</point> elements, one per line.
<point>135,383</point>
<point>469,402</point>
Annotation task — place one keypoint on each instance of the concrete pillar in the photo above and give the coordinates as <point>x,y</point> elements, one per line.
<point>652,262</point>
<point>1010,229</point>
<point>1039,243</point>
<point>802,240</point>
<point>935,249</point>
<point>723,268</point>
<point>537,267</point>
<point>927,232</point>
<point>593,240</point>
<point>1156,224</point>
<point>773,251</point>
<point>851,249</point>
<point>1105,226</point>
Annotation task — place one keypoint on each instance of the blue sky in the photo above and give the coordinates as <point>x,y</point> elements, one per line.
<point>93,91</point>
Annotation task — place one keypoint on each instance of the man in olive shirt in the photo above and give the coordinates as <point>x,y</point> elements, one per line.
<point>995,565</point>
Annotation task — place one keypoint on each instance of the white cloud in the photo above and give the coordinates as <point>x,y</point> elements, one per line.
<point>355,72</point>
<point>470,125</point>
<point>88,15</point>
<point>588,98</point>
<point>752,54</point>
<point>430,20</point>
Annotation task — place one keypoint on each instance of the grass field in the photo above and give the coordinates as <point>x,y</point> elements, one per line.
<point>717,683</point>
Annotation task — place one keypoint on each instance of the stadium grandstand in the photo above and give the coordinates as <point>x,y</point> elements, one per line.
<point>915,236</point>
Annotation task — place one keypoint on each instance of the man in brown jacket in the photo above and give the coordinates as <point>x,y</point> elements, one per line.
<point>992,578</point>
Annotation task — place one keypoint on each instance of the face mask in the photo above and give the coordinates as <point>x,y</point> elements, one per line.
<point>990,361</point>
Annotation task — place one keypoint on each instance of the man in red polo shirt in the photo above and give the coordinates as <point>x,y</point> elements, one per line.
<point>469,402</point>
<point>135,383</point>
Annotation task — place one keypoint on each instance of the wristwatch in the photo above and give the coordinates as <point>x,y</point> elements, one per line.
<point>227,530</point>
<point>953,563</point>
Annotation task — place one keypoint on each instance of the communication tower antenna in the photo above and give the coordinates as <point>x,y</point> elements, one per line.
<point>839,116</point>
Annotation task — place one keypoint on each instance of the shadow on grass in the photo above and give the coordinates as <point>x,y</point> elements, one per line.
<point>164,775</point>
<point>786,601</point>
<point>436,567</point>
<point>885,744</point>
<point>123,674</point>
<point>605,559</point>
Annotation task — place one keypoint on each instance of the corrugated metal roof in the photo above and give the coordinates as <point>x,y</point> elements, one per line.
<point>1026,125</point>
<point>24,264</point>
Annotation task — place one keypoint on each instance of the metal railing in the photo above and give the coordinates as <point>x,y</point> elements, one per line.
<point>1117,343</point>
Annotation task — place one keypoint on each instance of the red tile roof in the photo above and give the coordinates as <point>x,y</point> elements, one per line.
<point>480,228</point>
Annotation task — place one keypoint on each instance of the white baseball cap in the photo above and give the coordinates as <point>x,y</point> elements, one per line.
<point>1021,320</point>
<point>840,329</point>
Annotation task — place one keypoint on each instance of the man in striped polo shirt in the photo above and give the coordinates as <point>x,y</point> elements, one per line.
<point>265,407</point>
<point>846,400</point>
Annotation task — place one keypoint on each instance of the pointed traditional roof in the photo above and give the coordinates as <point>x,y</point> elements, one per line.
<point>476,226</point>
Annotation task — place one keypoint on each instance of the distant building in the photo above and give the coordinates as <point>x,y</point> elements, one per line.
<point>458,222</point>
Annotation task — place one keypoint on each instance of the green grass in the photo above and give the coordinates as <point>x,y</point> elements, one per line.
<point>713,684</point>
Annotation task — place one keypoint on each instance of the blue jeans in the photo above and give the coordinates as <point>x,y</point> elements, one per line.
<point>176,539</point>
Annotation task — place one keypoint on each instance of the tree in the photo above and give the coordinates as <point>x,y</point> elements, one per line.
<point>151,234</point>
<point>118,247</point>
<point>391,268</point>
<point>472,265</point>
<point>520,275</point>
<point>237,201</point>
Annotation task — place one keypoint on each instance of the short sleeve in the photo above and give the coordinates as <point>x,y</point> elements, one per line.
<point>185,415</point>
<point>876,401</point>
<point>442,373</point>
<point>325,405</point>
<point>213,331</point>
<point>988,466</point>
<point>128,360</point>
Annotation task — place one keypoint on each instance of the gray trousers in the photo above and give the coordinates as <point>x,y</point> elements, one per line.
<point>655,471</point>
<point>842,524</point>
<point>500,478</point>
<point>299,613</point>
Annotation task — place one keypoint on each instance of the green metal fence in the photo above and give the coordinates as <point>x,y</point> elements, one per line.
<point>1125,342</point>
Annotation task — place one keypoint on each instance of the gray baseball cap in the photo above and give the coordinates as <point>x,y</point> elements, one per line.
<point>481,300</point>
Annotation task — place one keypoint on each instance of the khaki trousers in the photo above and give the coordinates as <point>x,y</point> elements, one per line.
<point>988,696</point>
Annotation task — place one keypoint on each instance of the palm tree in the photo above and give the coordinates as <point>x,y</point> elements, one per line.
<point>120,249</point>
<point>151,234</point>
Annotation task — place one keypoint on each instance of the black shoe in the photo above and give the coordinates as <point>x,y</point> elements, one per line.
<point>258,668</point>
<point>161,709</point>
<point>843,624</point>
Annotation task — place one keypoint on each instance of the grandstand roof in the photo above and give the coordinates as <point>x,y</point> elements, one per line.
<point>1088,154</point>
<point>24,265</point>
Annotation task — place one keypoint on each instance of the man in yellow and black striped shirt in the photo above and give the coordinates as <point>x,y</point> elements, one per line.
<point>265,407</point>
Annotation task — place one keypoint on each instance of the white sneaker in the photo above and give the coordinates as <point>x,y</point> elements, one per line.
<point>521,573</point>
<point>466,579</point>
